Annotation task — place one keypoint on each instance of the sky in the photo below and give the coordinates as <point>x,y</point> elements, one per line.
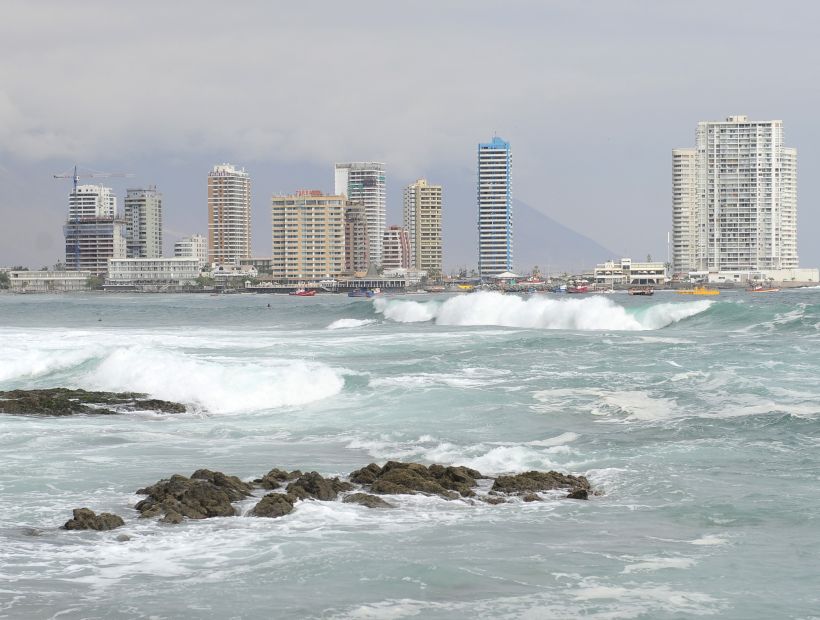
<point>593,95</point>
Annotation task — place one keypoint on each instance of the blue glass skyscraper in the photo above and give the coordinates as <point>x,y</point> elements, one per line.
<point>495,222</point>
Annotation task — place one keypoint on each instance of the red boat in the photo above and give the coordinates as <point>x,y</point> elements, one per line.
<point>582,288</point>
<point>302,293</point>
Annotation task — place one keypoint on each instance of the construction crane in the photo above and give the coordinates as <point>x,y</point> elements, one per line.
<point>91,174</point>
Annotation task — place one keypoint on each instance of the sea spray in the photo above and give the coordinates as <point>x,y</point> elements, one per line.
<point>491,308</point>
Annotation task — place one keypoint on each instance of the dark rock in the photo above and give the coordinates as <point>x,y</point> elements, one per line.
<point>493,499</point>
<point>273,505</point>
<point>86,519</point>
<point>205,494</point>
<point>365,499</point>
<point>314,486</point>
<point>64,402</point>
<point>273,479</point>
<point>579,494</point>
<point>397,478</point>
<point>532,497</point>
<point>533,481</point>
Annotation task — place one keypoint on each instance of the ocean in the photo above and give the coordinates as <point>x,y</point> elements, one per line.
<point>697,421</point>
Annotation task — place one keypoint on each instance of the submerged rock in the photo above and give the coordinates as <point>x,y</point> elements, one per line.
<point>64,402</point>
<point>365,499</point>
<point>205,494</point>
<point>87,519</point>
<point>273,505</point>
<point>314,486</point>
<point>493,500</point>
<point>397,478</point>
<point>579,494</point>
<point>534,481</point>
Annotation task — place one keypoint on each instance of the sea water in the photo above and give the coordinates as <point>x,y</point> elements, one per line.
<point>697,421</point>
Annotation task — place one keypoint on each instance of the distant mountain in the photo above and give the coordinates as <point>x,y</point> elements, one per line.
<point>540,240</point>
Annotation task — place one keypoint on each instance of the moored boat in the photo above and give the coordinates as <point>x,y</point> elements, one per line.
<point>641,290</point>
<point>699,290</point>
<point>759,288</point>
<point>300,292</point>
<point>361,292</point>
<point>581,288</point>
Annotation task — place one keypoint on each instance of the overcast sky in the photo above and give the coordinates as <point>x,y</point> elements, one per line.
<point>592,95</point>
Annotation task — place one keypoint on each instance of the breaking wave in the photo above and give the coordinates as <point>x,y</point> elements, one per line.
<point>349,323</point>
<point>491,308</point>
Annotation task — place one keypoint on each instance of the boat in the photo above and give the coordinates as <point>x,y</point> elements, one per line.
<point>361,292</point>
<point>300,292</point>
<point>759,288</point>
<point>559,289</point>
<point>581,288</point>
<point>699,290</point>
<point>641,290</point>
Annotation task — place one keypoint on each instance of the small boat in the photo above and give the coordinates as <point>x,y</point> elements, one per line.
<point>361,292</point>
<point>641,290</point>
<point>759,288</point>
<point>699,290</point>
<point>300,292</point>
<point>581,288</point>
<point>559,289</point>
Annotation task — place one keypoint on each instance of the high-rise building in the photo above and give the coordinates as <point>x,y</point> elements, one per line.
<point>685,222</point>
<point>364,182</point>
<point>396,248</point>
<point>193,246</point>
<point>422,218</point>
<point>143,222</point>
<point>357,243</point>
<point>229,214</point>
<point>308,236</point>
<point>94,231</point>
<point>495,220</point>
<point>744,210</point>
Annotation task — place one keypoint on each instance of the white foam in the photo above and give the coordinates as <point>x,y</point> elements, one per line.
<point>491,308</point>
<point>350,323</point>
<point>217,385</point>
<point>653,564</point>
<point>709,540</point>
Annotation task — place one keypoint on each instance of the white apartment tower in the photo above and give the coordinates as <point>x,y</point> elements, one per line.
<point>193,246</point>
<point>229,214</point>
<point>495,222</point>
<point>738,211</point>
<point>422,218</point>
<point>364,182</point>
<point>94,232</point>
<point>396,248</point>
<point>143,222</point>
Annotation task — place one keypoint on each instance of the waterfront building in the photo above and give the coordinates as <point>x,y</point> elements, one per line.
<point>357,241</point>
<point>151,273</point>
<point>94,231</point>
<point>396,248</point>
<point>48,281</point>
<point>308,235</point>
<point>262,265</point>
<point>495,220</point>
<point>192,246</point>
<point>143,222</point>
<point>364,182</point>
<point>229,214</point>
<point>737,210</point>
<point>627,272</point>
<point>422,218</point>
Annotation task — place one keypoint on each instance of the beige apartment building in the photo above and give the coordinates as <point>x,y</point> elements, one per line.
<point>422,218</point>
<point>308,236</point>
<point>229,214</point>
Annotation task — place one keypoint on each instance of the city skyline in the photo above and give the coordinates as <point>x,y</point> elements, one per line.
<point>571,112</point>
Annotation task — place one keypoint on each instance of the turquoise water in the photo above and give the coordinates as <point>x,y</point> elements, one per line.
<point>697,420</point>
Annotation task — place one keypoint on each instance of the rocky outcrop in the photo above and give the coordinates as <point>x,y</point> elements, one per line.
<point>273,505</point>
<point>579,494</point>
<point>314,486</point>
<point>87,519</point>
<point>205,494</point>
<point>365,499</point>
<point>397,478</point>
<point>275,477</point>
<point>534,481</point>
<point>64,402</point>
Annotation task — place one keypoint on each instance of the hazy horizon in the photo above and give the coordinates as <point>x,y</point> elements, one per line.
<point>593,99</point>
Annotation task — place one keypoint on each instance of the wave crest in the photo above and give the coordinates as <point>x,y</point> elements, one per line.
<point>491,308</point>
